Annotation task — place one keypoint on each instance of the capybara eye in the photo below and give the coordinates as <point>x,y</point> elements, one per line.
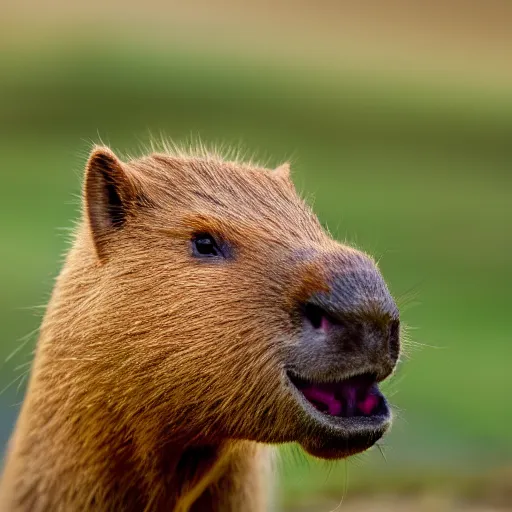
<point>204,245</point>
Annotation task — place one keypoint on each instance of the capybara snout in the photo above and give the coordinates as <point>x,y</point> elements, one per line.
<point>352,325</point>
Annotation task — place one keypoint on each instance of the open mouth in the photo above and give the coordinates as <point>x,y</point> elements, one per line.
<point>356,397</point>
<point>349,415</point>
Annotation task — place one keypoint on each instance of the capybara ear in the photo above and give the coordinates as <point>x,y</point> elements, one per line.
<point>109,195</point>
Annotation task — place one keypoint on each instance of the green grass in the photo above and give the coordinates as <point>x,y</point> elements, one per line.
<point>420,177</point>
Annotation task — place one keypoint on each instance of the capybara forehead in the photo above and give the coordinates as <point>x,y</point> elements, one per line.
<point>210,194</point>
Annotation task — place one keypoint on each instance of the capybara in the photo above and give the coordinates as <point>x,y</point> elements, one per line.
<point>202,315</point>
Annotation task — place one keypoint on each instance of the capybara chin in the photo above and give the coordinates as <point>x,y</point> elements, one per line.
<point>201,315</point>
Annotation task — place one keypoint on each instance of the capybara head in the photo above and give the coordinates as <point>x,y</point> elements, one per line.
<point>212,305</point>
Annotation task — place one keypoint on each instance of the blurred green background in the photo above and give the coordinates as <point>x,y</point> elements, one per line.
<point>398,122</point>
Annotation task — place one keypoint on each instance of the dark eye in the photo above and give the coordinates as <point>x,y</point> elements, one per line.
<point>204,245</point>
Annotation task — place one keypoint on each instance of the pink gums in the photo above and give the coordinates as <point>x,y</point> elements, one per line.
<point>368,404</point>
<point>349,398</point>
<point>323,398</point>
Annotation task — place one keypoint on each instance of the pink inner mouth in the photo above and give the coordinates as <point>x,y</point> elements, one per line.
<point>358,396</point>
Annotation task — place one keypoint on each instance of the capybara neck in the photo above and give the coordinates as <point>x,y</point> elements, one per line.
<point>202,315</point>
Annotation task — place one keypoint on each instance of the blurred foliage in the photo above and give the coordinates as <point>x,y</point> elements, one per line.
<point>420,177</point>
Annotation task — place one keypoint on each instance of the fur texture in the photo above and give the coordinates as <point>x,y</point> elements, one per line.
<point>159,378</point>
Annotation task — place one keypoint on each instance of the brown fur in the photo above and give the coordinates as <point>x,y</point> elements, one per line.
<point>157,382</point>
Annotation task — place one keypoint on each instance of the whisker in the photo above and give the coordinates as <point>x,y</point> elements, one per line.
<point>382,452</point>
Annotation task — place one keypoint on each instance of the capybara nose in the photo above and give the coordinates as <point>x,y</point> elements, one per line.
<point>358,319</point>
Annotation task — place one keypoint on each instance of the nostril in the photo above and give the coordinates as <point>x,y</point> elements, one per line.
<point>314,314</point>
<point>318,317</point>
